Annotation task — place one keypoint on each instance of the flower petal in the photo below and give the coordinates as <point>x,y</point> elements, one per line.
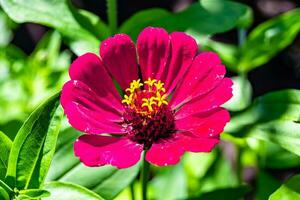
<point>90,70</point>
<point>205,73</point>
<point>94,150</point>
<point>119,56</point>
<point>89,112</point>
<point>205,125</point>
<point>209,101</point>
<point>193,144</point>
<point>166,152</point>
<point>169,151</point>
<point>183,50</point>
<point>153,50</point>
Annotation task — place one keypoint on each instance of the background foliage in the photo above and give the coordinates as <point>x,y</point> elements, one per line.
<point>258,157</point>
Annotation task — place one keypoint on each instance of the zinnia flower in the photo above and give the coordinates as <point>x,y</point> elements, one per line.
<point>170,103</point>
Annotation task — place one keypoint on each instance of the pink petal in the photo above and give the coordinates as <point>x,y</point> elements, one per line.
<point>94,150</point>
<point>153,50</point>
<point>193,144</point>
<point>119,56</point>
<point>183,50</point>
<point>166,152</point>
<point>205,125</point>
<point>205,73</point>
<point>209,101</point>
<point>89,112</point>
<point>90,70</point>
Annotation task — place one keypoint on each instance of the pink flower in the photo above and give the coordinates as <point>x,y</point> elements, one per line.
<point>171,102</point>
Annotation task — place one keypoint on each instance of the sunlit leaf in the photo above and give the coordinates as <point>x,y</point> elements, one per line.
<point>203,17</point>
<point>5,146</point>
<point>290,190</point>
<point>34,146</point>
<point>269,38</point>
<point>242,94</point>
<point>272,117</point>
<point>32,194</point>
<point>63,191</point>
<point>6,32</point>
<point>82,29</point>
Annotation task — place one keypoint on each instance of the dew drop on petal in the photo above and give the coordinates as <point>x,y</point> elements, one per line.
<point>75,82</point>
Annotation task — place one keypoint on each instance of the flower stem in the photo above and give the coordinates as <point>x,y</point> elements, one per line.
<point>112,15</point>
<point>132,193</point>
<point>242,35</point>
<point>6,187</point>
<point>144,176</point>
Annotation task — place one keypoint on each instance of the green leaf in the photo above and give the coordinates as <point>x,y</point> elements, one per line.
<point>196,166</point>
<point>203,17</point>
<point>227,52</point>
<point>266,185</point>
<point>282,132</point>
<point>268,39</point>
<point>242,94</point>
<point>34,146</point>
<point>246,20</point>
<point>81,28</point>
<point>279,105</point>
<point>170,183</point>
<point>5,146</point>
<point>233,193</point>
<point>272,117</point>
<point>278,158</point>
<point>3,194</point>
<point>32,194</point>
<point>6,33</point>
<point>107,181</point>
<point>63,191</point>
<point>290,190</point>
<point>142,19</point>
<point>220,175</point>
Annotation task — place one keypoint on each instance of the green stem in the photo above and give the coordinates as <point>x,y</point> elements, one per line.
<point>132,193</point>
<point>6,187</point>
<point>112,15</point>
<point>239,167</point>
<point>144,177</point>
<point>242,35</point>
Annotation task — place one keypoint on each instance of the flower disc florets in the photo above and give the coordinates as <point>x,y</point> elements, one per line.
<point>148,117</point>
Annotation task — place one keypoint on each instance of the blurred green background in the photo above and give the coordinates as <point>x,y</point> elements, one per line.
<point>258,41</point>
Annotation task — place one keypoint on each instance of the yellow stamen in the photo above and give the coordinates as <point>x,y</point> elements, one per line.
<point>150,82</point>
<point>153,96</point>
<point>148,103</point>
<point>160,86</point>
<point>128,99</point>
<point>161,99</point>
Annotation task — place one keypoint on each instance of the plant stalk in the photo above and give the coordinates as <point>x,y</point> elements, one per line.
<point>112,15</point>
<point>145,176</point>
<point>6,187</point>
<point>132,193</point>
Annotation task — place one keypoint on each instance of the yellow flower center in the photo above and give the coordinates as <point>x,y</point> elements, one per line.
<point>145,98</point>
